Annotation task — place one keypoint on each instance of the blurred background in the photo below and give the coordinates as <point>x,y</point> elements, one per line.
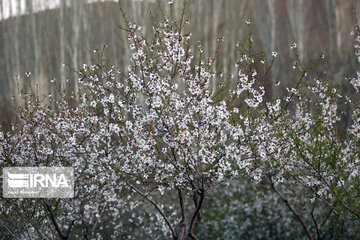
<point>38,36</point>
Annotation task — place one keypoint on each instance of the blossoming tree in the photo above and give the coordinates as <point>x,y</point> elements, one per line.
<point>159,131</point>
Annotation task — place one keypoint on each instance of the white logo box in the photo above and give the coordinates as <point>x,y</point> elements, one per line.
<point>38,182</point>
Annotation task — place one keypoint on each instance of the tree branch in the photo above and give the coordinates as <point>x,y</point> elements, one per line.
<point>300,219</point>
<point>25,217</point>
<point>54,221</point>
<point>197,215</point>
<point>183,215</point>
<point>157,208</point>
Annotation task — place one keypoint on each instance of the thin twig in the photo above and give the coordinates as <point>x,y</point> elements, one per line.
<point>301,220</point>
<point>156,206</point>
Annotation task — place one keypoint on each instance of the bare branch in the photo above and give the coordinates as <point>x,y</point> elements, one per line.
<point>156,206</point>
